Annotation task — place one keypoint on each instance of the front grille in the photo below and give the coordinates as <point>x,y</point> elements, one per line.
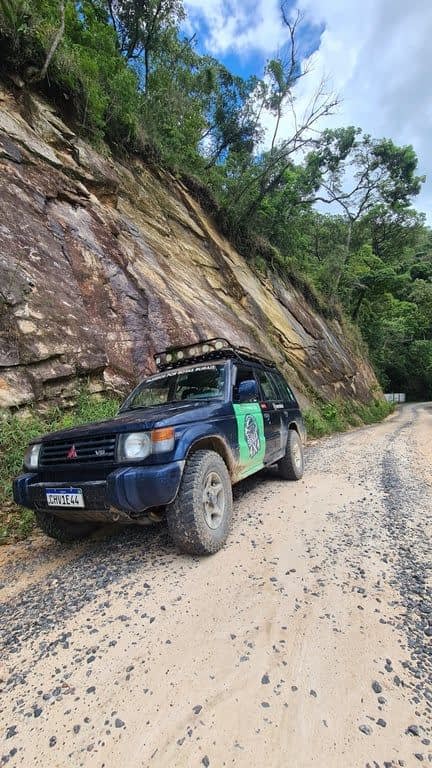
<point>82,450</point>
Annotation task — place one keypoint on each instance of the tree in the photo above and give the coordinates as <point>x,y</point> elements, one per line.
<point>358,173</point>
<point>232,124</point>
<point>142,26</point>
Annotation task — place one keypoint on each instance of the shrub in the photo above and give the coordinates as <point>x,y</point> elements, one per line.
<point>16,431</point>
<point>338,416</point>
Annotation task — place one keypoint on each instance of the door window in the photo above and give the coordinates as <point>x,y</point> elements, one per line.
<point>245,387</point>
<point>268,389</point>
<point>285,391</point>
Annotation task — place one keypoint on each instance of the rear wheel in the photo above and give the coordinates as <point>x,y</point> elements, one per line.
<point>64,530</point>
<point>199,520</point>
<point>291,466</point>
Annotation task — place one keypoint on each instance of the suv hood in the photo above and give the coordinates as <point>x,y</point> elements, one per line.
<point>170,414</point>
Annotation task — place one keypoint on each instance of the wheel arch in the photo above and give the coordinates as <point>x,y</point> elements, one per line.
<point>213,443</point>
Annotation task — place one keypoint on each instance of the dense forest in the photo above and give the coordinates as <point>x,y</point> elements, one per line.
<point>330,210</point>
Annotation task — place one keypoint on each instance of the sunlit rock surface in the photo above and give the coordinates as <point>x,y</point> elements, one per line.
<point>103,263</point>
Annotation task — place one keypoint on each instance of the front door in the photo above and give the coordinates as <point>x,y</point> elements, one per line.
<point>251,437</point>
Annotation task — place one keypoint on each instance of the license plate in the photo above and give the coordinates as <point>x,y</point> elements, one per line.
<point>64,497</point>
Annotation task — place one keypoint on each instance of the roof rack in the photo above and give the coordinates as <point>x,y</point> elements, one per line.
<point>206,349</point>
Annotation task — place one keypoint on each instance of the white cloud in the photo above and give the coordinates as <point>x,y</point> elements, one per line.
<point>239,26</point>
<point>377,54</point>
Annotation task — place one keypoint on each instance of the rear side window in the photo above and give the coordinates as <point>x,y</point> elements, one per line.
<point>268,388</point>
<point>285,391</point>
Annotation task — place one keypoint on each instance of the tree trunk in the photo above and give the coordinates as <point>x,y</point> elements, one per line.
<point>55,43</point>
<point>338,276</point>
<point>146,69</point>
<point>357,307</point>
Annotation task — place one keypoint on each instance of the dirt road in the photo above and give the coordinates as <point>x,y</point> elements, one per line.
<point>306,642</point>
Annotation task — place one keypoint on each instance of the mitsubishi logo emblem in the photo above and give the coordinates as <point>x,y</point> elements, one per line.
<point>72,454</point>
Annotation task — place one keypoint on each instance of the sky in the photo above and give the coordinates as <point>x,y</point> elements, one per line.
<point>376,55</point>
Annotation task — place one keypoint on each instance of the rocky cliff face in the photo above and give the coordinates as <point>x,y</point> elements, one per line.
<point>104,263</point>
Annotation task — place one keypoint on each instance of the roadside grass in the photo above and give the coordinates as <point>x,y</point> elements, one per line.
<point>16,431</point>
<point>338,416</point>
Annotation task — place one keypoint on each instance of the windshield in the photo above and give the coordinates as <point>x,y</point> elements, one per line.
<point>203,383</point>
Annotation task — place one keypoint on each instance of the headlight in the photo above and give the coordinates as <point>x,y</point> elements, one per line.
<point>134,446</point>
<point>31,457</point>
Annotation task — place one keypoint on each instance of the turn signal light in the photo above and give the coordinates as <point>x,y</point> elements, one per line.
<point>163,439</point>
<point>165,433</point>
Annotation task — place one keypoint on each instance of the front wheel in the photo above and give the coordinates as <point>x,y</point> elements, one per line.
<point>199,519</point>
<point>63,530</point>
<point>291,466</point>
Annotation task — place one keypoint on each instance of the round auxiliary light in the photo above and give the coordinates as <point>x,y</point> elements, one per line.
<point>206,348</point>
<point>219,345</point>
<point>158,361</point>
<point>168,357</point>
<point>180,355</point>
<point>193,351</point>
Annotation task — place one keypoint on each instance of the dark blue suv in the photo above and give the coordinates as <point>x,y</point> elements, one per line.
<point>212,415</point>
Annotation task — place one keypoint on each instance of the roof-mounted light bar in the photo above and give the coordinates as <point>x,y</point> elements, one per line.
<point>174,355</point>
<point>203,350</point>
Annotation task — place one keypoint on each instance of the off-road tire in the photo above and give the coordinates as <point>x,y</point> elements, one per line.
<point>186,516</point>
<point>291,466</point>
<point>64,530</point>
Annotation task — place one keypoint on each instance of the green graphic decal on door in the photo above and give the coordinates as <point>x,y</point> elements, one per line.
<point>250,426</point>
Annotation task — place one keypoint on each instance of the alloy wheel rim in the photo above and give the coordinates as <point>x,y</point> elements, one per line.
<point>213,500</point>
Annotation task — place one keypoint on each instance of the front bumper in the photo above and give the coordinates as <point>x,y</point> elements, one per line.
<point>129,491</point>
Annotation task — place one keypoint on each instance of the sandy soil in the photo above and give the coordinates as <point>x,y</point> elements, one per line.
<point>306,642</point>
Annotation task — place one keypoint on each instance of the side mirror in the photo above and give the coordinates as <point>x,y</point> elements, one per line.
<point>247,391</point>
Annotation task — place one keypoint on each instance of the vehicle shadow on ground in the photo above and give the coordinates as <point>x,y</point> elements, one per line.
<point>88,571</point>
<point>241,490</point>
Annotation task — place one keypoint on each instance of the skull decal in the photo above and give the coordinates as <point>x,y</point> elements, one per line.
<point>252,435</point>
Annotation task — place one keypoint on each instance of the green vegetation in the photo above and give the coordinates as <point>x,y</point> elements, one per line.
<point>338,416</point>
<point>125,74</point>
<point>16,431</point>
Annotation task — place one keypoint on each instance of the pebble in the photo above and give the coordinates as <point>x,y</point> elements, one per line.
<point>366,729</point>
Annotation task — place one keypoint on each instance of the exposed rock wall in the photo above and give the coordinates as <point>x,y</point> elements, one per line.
<point>104,263</point>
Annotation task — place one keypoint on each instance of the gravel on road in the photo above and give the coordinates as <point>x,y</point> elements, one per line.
<point>307,641</point>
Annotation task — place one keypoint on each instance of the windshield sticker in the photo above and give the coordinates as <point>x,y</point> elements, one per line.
<point>177,371</point>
